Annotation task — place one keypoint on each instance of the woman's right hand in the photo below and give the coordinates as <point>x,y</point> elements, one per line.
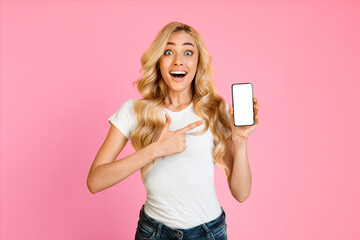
<point>171,142</point>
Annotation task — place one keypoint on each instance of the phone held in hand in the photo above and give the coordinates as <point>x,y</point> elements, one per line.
<point>243,105</point>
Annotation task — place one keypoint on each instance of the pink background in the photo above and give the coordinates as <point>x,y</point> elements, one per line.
<point>67,66</point>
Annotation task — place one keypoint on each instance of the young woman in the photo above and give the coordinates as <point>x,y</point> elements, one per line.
<point>179,129</point>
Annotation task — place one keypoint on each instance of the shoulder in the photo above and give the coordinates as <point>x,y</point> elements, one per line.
<point>129,104</point>
<point>126,107</point>
<point>127,110</point>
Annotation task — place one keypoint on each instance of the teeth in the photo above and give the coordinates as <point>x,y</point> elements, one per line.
<point>178,72</point>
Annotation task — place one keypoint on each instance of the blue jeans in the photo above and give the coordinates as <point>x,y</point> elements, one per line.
<point>150,229</point>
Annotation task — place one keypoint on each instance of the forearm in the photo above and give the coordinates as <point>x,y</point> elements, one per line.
<point>241,174</point>
<point>109,174</point>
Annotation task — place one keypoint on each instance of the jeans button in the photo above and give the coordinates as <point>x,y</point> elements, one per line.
<point>178,234</point>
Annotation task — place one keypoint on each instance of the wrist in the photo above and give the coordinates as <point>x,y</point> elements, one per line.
<point>239,140</point>
<point>154,150</point>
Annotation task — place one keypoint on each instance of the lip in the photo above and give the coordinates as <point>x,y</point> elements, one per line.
<point>177,79</point>
<point>183,70</point>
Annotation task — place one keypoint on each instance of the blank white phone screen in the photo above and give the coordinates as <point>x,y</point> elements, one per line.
<point>243,106</point>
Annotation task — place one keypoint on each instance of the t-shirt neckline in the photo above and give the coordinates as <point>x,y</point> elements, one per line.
<point>185,109</point>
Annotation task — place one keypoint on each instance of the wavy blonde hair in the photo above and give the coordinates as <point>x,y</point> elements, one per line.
<point>207,104</point>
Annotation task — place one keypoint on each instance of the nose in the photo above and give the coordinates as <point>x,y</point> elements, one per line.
<point>178,60</point>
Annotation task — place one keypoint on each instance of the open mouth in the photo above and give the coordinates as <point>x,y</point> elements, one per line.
<point>178,75</point>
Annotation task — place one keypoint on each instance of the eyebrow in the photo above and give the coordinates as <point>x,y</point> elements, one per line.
<point>186,43</point>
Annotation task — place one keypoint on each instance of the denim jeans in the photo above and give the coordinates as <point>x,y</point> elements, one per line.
<point>150,229</point>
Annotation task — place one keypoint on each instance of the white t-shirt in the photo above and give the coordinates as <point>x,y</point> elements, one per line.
<point>180,189</point>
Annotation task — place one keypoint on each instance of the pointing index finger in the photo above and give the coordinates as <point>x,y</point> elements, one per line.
<point>190,126</point>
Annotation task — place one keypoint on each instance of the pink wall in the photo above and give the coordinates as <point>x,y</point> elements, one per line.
<point>66,66</point>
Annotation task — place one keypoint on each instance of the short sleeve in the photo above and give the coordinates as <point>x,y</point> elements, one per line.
<point>124,118</point>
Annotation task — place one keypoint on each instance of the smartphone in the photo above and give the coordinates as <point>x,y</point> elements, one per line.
<point>243,105</point>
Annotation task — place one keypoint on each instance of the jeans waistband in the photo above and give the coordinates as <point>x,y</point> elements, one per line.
<point>184,232</point>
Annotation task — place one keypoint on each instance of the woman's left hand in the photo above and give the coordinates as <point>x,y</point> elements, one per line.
<point>243,132</point>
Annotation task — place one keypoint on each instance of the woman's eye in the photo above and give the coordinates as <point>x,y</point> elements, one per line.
<point>169,52</point>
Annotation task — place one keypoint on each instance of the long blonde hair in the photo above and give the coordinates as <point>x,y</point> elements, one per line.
<point>207,104</point>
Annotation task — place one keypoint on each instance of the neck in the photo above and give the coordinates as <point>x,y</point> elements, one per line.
<point>178,99</point>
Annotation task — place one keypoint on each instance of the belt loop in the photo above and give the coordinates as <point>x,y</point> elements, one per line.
<point>207,230</point>
<point>159,230</point>
<point>209,234</point>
